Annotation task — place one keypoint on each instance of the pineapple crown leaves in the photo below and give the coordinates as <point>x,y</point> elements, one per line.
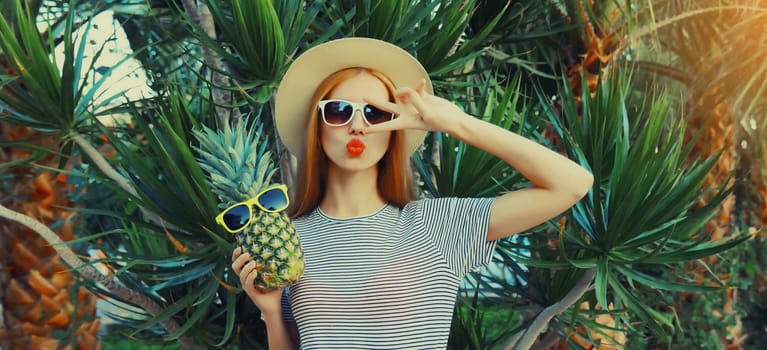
<point>236,159</point>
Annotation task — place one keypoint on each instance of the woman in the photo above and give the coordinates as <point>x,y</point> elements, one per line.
<point>383,269</point>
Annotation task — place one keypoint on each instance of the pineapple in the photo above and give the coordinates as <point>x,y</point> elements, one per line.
<point>239,167</point>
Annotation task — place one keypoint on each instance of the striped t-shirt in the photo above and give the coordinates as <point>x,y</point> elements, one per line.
<point>387,280</point>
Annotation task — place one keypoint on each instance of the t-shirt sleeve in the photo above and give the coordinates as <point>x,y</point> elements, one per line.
<point>287,310</point>
<point>458,227</point>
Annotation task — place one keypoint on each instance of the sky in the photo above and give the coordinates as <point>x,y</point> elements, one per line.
<point>124,77</point>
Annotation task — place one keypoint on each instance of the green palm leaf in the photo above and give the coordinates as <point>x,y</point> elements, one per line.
<point>183,260</point>
<point>464,170</point>
<point>641,211</point>
<point>38,93</point>
<point>254,30</point>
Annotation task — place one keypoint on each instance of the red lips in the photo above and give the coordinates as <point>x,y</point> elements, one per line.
<point>355,147</point>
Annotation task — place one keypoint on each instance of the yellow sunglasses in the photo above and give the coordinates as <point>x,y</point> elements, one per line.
<point>237,217</point>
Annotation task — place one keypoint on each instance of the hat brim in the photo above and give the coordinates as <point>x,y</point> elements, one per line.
<point>292,102</point>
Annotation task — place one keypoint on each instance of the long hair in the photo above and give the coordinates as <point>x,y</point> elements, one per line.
<point>395,178</point>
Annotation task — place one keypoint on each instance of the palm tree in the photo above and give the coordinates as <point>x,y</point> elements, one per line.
<point>512,63</point>
<point>40,296</point>
<point>712,55</point>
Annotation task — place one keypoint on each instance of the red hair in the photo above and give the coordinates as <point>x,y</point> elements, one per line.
<point>395,178</point>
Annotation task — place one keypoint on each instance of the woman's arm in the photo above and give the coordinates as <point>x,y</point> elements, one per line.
<point>279,335</point>
<point>558,182</point>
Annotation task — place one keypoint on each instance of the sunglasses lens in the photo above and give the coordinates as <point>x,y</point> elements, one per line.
<point>337,112</point>
<point>273,200</point>
<point>377,116</point>
<point>237,217</point>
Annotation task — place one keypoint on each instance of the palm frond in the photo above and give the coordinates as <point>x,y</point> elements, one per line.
<point>45,94</point>
<point>182,261</point>
<point>464,170</point>
<point>641,211</point>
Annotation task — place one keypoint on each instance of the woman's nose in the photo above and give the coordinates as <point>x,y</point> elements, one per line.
<point>357,126</point>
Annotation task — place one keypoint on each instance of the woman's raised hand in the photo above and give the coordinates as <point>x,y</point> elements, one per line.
<point>418,109</point>
<point>267,301</point>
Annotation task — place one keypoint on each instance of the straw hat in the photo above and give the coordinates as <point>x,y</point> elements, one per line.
<point>292,102</point>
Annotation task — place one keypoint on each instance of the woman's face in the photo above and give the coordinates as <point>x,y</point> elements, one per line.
<point>346,146</point>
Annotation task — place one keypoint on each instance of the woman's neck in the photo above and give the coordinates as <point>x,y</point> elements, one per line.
<point>350,193</point>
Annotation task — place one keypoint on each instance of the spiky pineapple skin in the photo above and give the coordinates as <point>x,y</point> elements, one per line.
<point>272,242</point>
<point>239,167</point>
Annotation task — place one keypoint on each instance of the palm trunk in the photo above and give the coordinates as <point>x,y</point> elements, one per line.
<point>525,339</point>
<point>221,97</point>
<point>40,287</point>
<point>40,297</point>
<point>4,343</point>
<point>712,118</point>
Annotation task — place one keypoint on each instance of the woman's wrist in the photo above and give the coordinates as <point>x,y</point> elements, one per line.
<point>278,335</point>
<point>460,127</point>
<point>271,316</point>
<point>273,313</point>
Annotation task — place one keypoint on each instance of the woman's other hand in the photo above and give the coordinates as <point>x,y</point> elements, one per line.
<point>266,301</point>
<point>418,109</point>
